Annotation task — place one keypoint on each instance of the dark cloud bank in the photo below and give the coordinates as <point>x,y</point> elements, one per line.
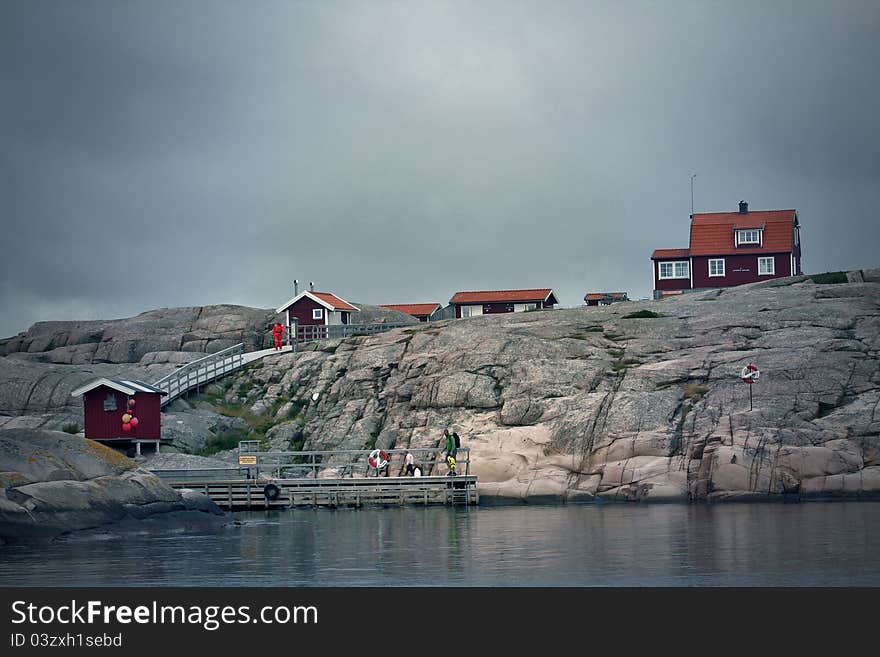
<point>162,153</point>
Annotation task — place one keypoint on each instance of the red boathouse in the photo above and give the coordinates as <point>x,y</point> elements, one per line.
<point>122,412</point>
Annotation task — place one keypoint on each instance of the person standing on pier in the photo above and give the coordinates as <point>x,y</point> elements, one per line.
<point>451,443</point>
<point>410,461</point>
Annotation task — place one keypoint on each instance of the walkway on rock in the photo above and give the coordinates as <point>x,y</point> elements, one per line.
<point>210,368</point>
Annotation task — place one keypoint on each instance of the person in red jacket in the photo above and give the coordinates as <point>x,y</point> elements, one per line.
<point>278,334</point>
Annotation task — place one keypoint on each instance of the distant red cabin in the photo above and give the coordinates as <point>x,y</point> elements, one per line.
<point>490,302</point>
<point>604,298</point>
<point>731,248</point>
<point>421,311</point>
<point>316,309</point>
<point>105,401</point>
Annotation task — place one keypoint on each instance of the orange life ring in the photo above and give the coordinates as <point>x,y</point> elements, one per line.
<point>378,458</point>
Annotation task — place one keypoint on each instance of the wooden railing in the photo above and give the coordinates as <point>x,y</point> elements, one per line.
<point>344,463</point>
<point>199,372</point>
<point>307,333</point>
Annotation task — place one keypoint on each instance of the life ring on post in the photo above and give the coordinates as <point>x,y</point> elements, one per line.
<point>378,458</point>
<point>271,491</point>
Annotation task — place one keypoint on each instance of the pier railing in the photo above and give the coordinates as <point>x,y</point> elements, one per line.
<point>347,463</point>
<point>200,371</point>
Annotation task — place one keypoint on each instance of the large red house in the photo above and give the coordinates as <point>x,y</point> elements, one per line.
<point>106,403</point>
<point>731,248</point>
<point>316,309</point>
<point>421,311</point>
<point>489,302</point>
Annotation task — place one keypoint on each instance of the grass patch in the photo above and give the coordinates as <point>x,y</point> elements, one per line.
<point>224,441</point>
<point>695,392</point>
<point>829,278</point>
<point>642,314</point>
<point>71,427</point>
<point>619,366</point>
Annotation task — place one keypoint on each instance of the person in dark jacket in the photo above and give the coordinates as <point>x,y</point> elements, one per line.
<point>452,443</point>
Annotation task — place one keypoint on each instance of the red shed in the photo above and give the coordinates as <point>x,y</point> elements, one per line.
<point>421,311</point>
<point>106,401</point>
<point>489,302</point>
<point>604,298</point>
<point>316,309</point>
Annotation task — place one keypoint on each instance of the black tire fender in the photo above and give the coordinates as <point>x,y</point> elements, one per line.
<point>271,491</point>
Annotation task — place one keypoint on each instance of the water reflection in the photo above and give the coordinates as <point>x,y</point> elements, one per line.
<point>815,544</point>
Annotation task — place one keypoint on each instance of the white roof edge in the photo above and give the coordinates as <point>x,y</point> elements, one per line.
<point>116,385</point>
<point>319,300</point>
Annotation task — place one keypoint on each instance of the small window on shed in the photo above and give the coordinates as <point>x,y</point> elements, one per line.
<point>110,402</point>
<point>317,313</point>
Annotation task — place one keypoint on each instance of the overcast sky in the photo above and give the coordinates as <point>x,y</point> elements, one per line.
<point>163,153</point>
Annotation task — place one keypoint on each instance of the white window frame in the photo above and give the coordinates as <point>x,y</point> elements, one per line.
<point>716,275</point>
<point>676,266</point>
<point>742,233</point>
<point>772,268</point>
<point>317,313</point>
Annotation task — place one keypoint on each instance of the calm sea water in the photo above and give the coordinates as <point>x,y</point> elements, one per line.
<point>809,544</point>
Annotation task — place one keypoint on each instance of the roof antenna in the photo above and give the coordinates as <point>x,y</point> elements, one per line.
<point>692,196</point>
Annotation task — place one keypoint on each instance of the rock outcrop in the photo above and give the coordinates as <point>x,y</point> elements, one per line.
<point>634,401</point>
<point>52,483</point>
<point>602,403</point>
<point>195,329</point>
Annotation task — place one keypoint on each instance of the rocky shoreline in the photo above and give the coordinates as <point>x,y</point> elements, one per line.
<point>638,401</point>
<point>53,484</point>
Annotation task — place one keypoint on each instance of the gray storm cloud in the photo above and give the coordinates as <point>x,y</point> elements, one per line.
<point>160,153</point>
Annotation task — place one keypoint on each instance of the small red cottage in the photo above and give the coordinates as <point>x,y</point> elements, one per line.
<point>489,302</point>
<point>731,248</point>
<point>122,412</point>
<point>316,309</point>
<point>604,298</point>
<point>423,312</point>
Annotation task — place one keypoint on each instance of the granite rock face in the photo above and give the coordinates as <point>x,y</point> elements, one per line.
<point>52,483</point>
<point>199,329</point>
<point>582,404</point>
<point>569,405</point>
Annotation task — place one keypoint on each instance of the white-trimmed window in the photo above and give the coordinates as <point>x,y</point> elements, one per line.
<point>749,236</point>
<point>716,267</point>
<point>317,313</point>
<point>677,269</point>
<point>766,266</point>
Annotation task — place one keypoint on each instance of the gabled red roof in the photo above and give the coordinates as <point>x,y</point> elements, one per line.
<point>662,254</point>
<point>414,309</point>
<point>330,301</point>
<point>598,296</point>
<point>333,300</point>
<point>712,233</point>
<point>503,296</point>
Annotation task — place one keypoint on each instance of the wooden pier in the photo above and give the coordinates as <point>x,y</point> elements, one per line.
<point>337,478</point>
<point>239,495</point>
